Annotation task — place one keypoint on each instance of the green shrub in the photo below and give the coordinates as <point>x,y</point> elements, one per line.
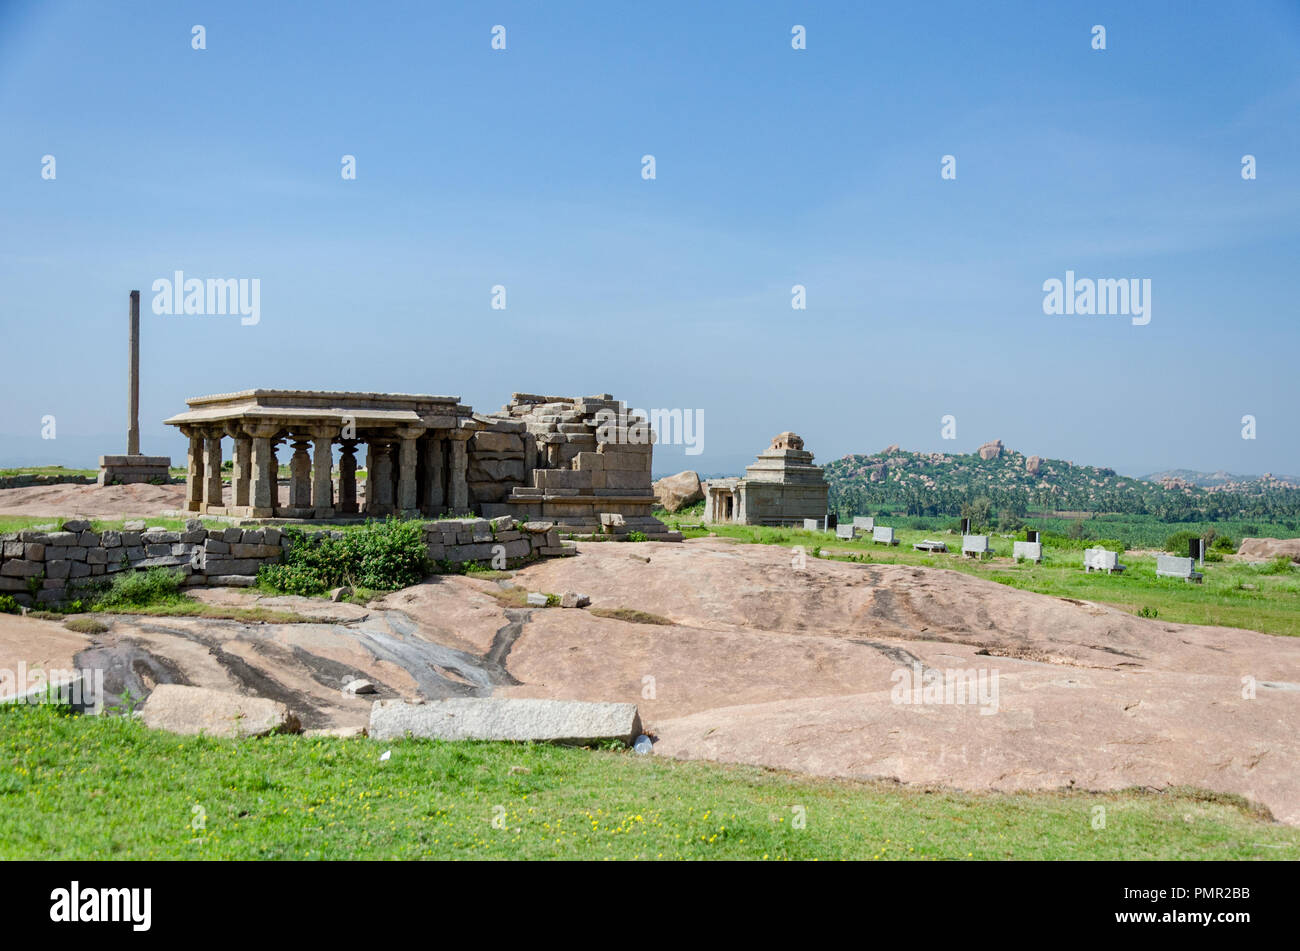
<point>1176,543</point>
<point>635,536</point>
<point>1224,543</point>
<point>140,589</point>
<point>1281,565</point>
<point>8,605</point>
<point>381,555</point>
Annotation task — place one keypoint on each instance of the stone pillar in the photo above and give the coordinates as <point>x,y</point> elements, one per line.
<point>322,481</point>
<point>133,382</point>
<point>265,494</point>
<point>347,501</point>
<point>379,480</point>
<point>433,464</point>
<point>212,472</point>
<point>300,476</point>
<point>370,477</point>
<point>194,478</point>
<point>458,491</point>
<point>241,477</point>
<point>407,498</point>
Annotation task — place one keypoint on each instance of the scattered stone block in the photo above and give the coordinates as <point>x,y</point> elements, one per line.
<point>192,710</point>
<point>510,719</point>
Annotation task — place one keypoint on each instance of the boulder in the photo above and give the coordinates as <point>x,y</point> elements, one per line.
<point>1266,549</point>
<point>991,450</point>
<point>675,492</point>
<point>1033,464</point>
<point>359,686</point>
<point>181,709</point>
<point>506,718</point>
<point>572,599</point>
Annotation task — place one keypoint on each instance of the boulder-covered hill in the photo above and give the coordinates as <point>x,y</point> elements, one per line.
<point>937,483</point>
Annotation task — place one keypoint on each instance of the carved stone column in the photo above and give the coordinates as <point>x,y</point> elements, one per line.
<point>322,481</point>
<point>433,463</point>
<point>347,500</point>
<point>212,471</point>
<point>264,496</point>
<point>241,470</point>
<point>241,477</point>
<point>407,500</point>
<point>194,478</point>
<point>379,480</point>
<point>300,475</point>
<point>458,491</point>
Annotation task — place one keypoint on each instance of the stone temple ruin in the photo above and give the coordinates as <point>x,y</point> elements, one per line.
<point>583,464</point>
<point>782,487</point>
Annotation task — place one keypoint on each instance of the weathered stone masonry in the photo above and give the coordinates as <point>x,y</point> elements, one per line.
<point>54,563</point>
<point>560,459</point>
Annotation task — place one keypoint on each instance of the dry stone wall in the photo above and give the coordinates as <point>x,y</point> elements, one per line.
<point>45,567</point>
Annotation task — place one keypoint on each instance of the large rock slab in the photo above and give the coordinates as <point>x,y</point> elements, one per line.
<point>181,709</point>
<point>1266,549</point>
<point>506,718</point>
<point>678,491</point>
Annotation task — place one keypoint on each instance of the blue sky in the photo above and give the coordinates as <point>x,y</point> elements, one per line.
<point>774,167</point>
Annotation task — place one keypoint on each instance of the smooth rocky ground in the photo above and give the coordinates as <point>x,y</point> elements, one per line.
<point>761,663</point>
<point>65,500</point>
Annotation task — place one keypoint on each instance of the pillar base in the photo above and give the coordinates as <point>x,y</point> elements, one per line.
<point>130,469</point>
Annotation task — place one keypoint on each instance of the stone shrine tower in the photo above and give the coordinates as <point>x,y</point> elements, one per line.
<point>781,487</point>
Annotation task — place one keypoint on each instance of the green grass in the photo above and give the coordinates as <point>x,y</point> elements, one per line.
<point>108,788</point>
<point>20,523</point>
<point>1234,594</point>
<point>48,470</point>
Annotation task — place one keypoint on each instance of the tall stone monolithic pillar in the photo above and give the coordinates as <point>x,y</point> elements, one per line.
<point>133,380</point>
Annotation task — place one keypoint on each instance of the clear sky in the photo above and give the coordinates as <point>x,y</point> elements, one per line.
<point>774,167</point>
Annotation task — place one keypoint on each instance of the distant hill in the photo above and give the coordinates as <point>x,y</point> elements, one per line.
<point>1214,480</point>
<point>936,483</point>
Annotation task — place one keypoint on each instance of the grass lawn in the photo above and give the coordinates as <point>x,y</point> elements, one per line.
<point>106,787</point>
<point>48,471</point>
<point>20,523</point>
<point>1234,594</point>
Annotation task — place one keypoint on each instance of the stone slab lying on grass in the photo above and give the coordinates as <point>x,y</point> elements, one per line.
<point>191,710</point>
<point>506,718</point>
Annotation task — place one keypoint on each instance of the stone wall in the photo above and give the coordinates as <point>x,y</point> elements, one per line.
<point>53,563</point>
<point>22,481</point>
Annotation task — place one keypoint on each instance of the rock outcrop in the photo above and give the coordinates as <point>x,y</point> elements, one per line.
<point>675,492</point>
<point>1266,549</point>
<point>991,450</point>
<point>180,709</point>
